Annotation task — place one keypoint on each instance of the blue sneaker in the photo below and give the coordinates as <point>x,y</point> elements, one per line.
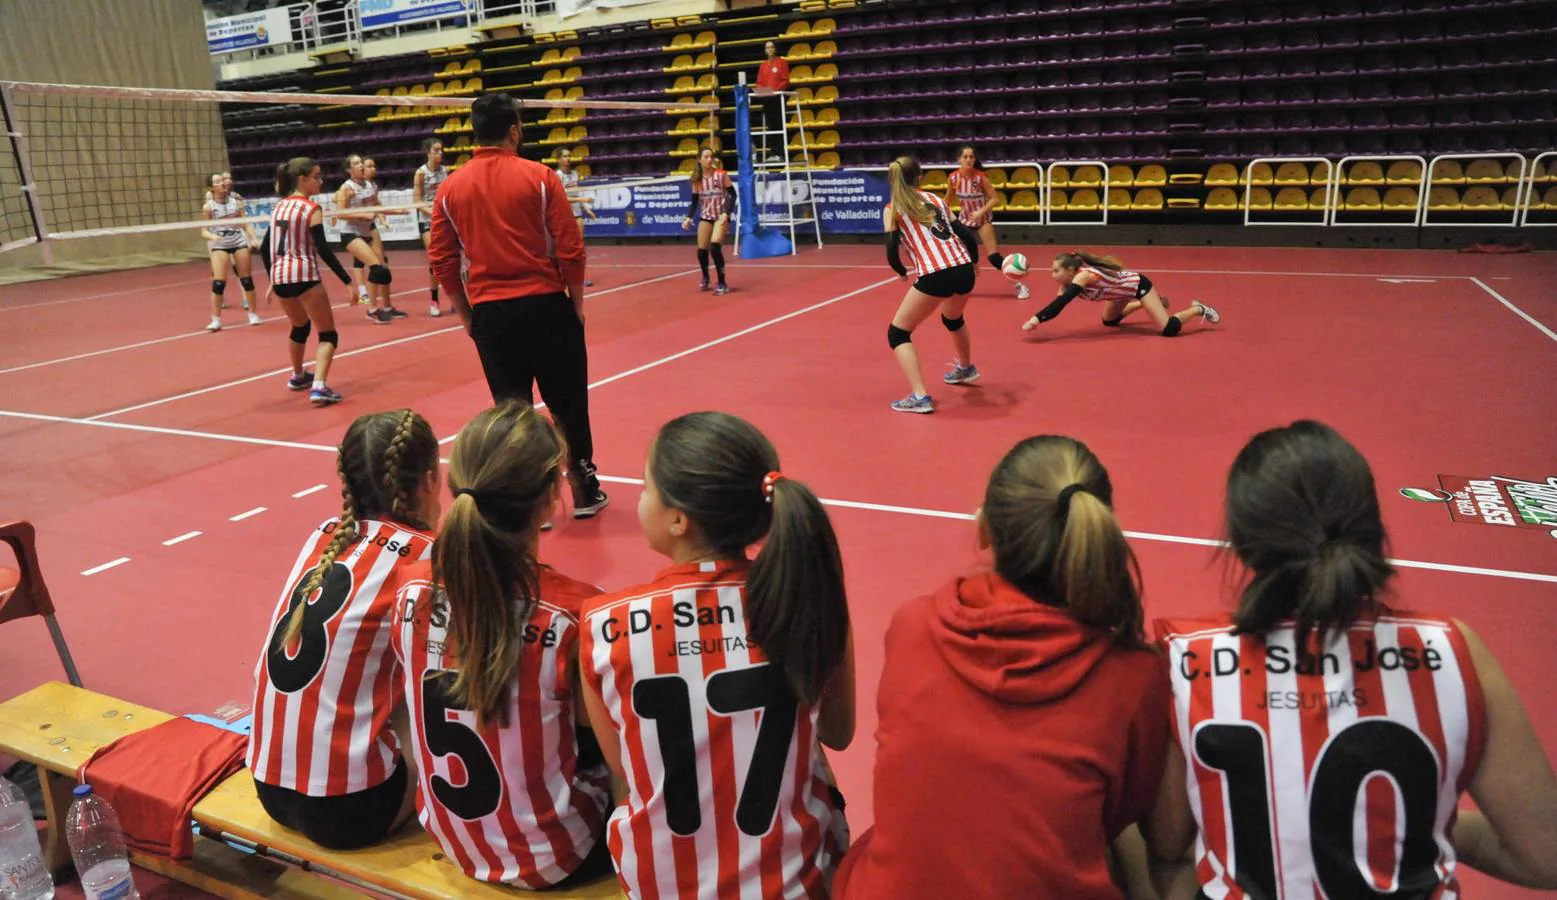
<point>961,375</point>
<point>323,396</point>
<point>301,381</point>
<point>915,403</point>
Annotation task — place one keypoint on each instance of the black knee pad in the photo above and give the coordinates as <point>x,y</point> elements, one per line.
<point>329,337</point>
<point>218,286</point>
<point>897,337</point>
<point>247,282</point>
<point>299,333</point>
<point>1114,323</point>
<point>1173,327</point>
<point>379,275</point>
<point>953,324</point>
<point>358,264</point>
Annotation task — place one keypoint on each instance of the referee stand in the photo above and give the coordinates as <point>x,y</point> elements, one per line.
<point>764,158</point>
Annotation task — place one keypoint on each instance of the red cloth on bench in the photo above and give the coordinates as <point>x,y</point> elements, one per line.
<point>153,778</point>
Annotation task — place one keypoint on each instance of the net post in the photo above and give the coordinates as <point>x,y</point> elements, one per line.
<point>29,188</point>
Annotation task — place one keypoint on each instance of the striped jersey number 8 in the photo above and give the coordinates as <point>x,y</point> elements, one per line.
<point>667,700</point>
<point>1354,755</point>
<point>939,227</point>
<point>293,668</point>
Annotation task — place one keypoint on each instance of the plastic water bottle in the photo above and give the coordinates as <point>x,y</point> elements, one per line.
<point>97,846</point>
<point>22,873</point>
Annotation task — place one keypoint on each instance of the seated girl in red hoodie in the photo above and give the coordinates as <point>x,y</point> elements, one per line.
<point>1021,716</point>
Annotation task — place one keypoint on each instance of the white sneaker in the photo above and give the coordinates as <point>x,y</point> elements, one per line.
<point>216,324</point>
<point>254,319</point>
<point>1211,316</point>
<point>363,298</point>
<point>435,311</point>
<point>1022,293</point>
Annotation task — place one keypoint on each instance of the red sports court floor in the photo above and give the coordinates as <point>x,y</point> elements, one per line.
<point>172,477</point>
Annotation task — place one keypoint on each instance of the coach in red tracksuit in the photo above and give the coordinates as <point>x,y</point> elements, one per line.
<point>521,291</point>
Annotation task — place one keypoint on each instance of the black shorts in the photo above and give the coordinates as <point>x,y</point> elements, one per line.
<point>348,236</point>
<point>347,822</point>
<point>1144,288</point>
<point>947,283</point>
<point>230,251</point>
<point>294,290</point>
<point>423,227</point>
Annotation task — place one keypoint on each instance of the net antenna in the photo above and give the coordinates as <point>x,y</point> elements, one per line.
<point>95,161</point>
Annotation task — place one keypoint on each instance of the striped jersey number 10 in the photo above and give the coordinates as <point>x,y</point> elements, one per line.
<point>1353,755</point>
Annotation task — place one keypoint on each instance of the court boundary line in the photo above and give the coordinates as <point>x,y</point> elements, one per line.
<point>920,512</point>
<point>1516,310</point>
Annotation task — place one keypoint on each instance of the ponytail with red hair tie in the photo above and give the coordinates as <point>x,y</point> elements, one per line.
<point>768,481</point>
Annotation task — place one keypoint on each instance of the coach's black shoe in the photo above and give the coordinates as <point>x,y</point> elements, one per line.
<point>588,498</point>
<point>704,285</point>
<point>721,290</point>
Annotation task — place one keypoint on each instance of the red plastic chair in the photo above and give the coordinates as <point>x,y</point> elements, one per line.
<point>23,593</point>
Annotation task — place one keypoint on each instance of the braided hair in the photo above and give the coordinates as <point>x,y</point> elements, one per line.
<point>382,462</point>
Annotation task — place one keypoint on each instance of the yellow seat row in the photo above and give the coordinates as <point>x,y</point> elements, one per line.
<point>827,93</point>
<point>708,81</point>
<point>802,52</point>
<point>823,73</point>
<point>687,41</point>
<point>802,28</point>
<point>564,136</point>
<point>1483,199</point>
<point>686,62</point>
<point>561,76</point>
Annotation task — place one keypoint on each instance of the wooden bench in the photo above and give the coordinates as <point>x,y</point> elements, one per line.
<point>58,727</point>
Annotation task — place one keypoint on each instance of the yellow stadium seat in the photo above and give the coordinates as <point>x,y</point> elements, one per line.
<point>934,180</point>
<point>1222,175</point>
<point>1447,171</point>
<point>424,90</point>
<point>550,76</point>
<point>1118,198</point>
<point>1366,173</point>
<point>581,151</point>
<point>800,75</point>
<point>1363,199</point>
<point>826,72</point>
<point>579,133</point>
<point>1147,199</point>
<point>381,92</point>
<point>798,51</point>
<point>452,67</point>
<point>1318,199</point>
<point>684,61</point>
<point>686,166</point>
<point>1484,171</point>
<point>708,81</point>
<point>555,136</point>
<point>1222,199</point>
<point>705,39</point>
<point>1186,178</point>
<point>1319,173</point>
<point>1509,198</point>
<point>826,140</point>
<point>1086,177</point>
<point>824,26</point>
<point>828,116</point>
<point>401,91</point>
<point>824,50</point>
<point>799,28</point>
<point>550,57</point>
<point>804,97</point>
<point>1000,201</point>
<point>472,85</point>
<point>573,93</point>
<point>680,42</point>
<point>1549,199</point>
<point>1540,174</point>
<point>1183,203</point>
<point>1085,200</point>
<point>828,160</point>
<point>473,66</point>
<point>1023,177</point>
<point>1151,176</point>
<point>997,178</point>
<point>1260,174</point>
<point>1443,199</point>
<point>582,170</point>
<point>1480,198</point>
<point>1399,199</point>
<point>1059,176</point>
<point>1023,201</point>
<point>1260,200</point>
<point>1292,199</point>
<point>1290,174</point>
<point>687,147</point>
<point>554,94</point>
<point>1119,176</point>
<point>827,94</point>
<point>684,84</point>
<point>705,61</point>
<point>1403,171</point>
<point>662,23</point>
<point>1059,200</point>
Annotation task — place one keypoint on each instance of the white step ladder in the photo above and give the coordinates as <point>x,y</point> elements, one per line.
<point>768,171</point>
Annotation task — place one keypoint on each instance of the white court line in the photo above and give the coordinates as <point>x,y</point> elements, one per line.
<point>306,491</point>
<point>1517,311</point>
<point>405,340</point>
<point>717,341</point>
<point>246,515</point>
<point>1154,269</point>
<point>188,535</point>
<point>173,432</point>
<point>106,566</point>
<point>153,287</point>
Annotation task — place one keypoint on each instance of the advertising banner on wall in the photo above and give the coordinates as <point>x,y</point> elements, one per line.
<point>389,13</point>
<point>566,8</point>
<point>268,28</point>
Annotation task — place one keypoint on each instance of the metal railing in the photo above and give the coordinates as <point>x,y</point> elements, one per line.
<point>347,25</point>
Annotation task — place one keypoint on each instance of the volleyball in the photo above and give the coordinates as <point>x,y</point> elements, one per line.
<point>1015,265</point>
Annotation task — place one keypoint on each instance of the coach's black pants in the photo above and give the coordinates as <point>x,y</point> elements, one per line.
<point>538,340</point>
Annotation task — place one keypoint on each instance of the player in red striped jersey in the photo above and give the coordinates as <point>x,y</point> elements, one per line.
<point>941,251</point>
<point>487,639</point>
<point>713,200</point>
<point>714,686</point>
<point>289,249</point>
<point>976,199</point>
<point>1104,279</point>
<point>325,759</point>
<point>1324,738</point>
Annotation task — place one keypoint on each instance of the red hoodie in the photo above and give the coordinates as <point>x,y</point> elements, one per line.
<point>1014,744</point>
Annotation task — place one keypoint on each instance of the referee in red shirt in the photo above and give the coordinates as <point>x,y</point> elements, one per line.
<point>505,248</point>
<point>772,77</point>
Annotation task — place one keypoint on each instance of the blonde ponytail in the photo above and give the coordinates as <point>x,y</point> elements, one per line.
<point>907,201</point>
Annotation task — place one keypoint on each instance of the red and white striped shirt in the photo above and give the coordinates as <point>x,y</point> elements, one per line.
<point>1111,284</point>
<point>728,799</point>
<point>358,195</point>
<point>969,187</point>
<point>292,258</point>
<point>933,247</point>
<point>710,194</point>
<point>322,704</point>
<point>507,803</point>
<point>1333,775</point>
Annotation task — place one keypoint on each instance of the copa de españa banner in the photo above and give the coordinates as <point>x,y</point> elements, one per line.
<point>268,28</point>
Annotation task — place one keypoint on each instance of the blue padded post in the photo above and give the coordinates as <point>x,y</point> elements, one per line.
<point>756,242</point>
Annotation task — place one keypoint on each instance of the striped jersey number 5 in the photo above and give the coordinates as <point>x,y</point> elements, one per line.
<point>939,227</point>
<point>667,700</point>
<point>1356,754</point>
<point>293,667</point>
<point>450,731</point>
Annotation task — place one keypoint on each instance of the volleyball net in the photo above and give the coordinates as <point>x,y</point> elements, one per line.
<point>88,161</point>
